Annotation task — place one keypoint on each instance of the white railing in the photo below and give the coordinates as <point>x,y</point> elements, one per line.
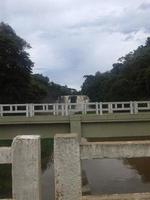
<point>25,157</point>
<point>98,108</point>
<point>68,153</point>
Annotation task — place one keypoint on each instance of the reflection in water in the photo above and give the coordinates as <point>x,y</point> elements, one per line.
<point>141,165</point>
<point>114,176</point>
<point>48,182</point>
<point>104,176</point>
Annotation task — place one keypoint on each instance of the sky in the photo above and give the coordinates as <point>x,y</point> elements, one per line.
<point>73,38</point>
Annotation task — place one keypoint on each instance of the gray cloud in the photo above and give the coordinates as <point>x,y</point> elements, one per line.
<point>71,38</point>
<point>145,6</point>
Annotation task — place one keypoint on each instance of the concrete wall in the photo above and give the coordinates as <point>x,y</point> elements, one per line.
<point>68,170</point>
<point>89,126</point>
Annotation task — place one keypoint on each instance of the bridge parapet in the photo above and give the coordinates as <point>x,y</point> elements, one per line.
<point>67,155</point>
<point>24,155</point>
<point>98,108</point>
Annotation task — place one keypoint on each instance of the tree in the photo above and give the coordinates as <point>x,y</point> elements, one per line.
<point>38,88</point>
<point>129,79</point>
<point>15,67</point>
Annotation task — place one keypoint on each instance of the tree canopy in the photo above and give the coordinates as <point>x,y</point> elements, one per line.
<point>15,66</point>
<point>129,79</point>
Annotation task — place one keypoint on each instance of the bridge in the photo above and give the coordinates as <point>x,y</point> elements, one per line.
<point>89,120</point>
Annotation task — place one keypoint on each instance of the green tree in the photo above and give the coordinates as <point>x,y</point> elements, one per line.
<point>129,79</point>
<point>38,88</point>
<point>15,67</point>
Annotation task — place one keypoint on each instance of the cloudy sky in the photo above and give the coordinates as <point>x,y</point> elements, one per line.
<point>73,38</point>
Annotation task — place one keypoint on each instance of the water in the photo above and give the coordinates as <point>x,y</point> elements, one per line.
<point>104,176</point>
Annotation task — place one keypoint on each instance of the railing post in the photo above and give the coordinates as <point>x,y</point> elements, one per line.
<point>56,109</point>
<point>110,109</point>
<point>30,110</point>
<point>66,110</point>
<point>135,107</point>
<point>27,110</point>
<point>1,110</point>
<point>67,167</point>
<point>131,107</point>
<point>101,108</point>
<point>26,168</point>
<point>96,104</point>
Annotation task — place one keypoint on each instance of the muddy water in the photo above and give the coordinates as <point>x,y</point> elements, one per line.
<point>108,176</point>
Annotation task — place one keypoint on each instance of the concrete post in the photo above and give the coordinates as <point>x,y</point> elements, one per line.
<point>66,110</point>
<point>31,110</point>
<point>67,167</point>
<point>96,108</point>
<point>101,108</point>
<point>27,110</point>
<point>26,168</point>
<point>1,111</point>
<point>56,109</point>
<point>110,110</point>
<point>131,107</point>
<point>135,107</point>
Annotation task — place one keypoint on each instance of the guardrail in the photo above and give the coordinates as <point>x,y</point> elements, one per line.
<point>99,108</point>
<point>24,155</point>
<point>68,153</point>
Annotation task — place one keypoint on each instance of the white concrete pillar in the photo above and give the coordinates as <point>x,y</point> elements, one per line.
<point>31,110</point>
<point>96,107</point>
<point>67,167</point>
<point>110,110</point>
<point>131,107</point>
<point>26,168</point>
<point>27,110</point>
<point>101,108</point>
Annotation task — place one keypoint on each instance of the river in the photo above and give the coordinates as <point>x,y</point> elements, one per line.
<point>103,175</point>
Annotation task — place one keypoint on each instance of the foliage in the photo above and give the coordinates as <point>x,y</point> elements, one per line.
<point>42,90</point>
<point>128,80</point>
<point>15,66</point>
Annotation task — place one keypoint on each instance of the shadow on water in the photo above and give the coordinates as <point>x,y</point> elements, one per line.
<point>102,175</point>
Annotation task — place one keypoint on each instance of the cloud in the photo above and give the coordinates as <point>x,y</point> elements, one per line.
<point>145,6</point>
<point>71,38</point>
